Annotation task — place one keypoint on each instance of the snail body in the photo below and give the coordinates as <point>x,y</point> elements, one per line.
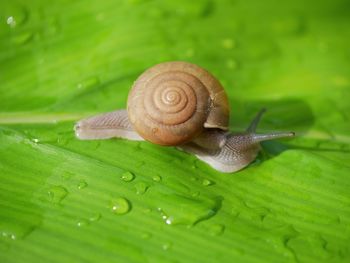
<point>180,104</point>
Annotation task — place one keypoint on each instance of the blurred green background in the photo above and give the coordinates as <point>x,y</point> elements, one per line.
<point>64,200</point>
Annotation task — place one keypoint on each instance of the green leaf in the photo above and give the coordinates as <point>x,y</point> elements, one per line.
<point>65,200</point>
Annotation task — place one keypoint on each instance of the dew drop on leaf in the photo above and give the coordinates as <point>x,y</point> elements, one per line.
<point>207,182</point>
<point>141,188</point>
<point>8,235</point>
<point>187,210</point>
<point>11,21</point>
<point>82,184</point>
<point>88,83</point>
<point>35,140</point>
<point>14,229</point>
<point>128,176</point>
<point>57,193</point>
<point>15,15</point>
<point>156,178</point>
<point>82,222</point>
<point>167,219</point>
<point>120,206</point>
<point>95,217</point>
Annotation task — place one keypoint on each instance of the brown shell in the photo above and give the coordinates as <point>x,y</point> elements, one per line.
<point>172,102</point>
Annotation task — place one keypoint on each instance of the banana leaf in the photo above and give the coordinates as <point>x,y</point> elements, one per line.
<point>66,200</point>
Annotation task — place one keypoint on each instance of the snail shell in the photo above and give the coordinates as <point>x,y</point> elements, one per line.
<point>172,102</point>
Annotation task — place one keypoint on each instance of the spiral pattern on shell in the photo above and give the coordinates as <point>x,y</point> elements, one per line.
<point>169,103</point>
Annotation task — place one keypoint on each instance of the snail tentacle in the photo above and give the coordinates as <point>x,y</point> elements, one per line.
<point>254,124</point>
<point>264,137</point>
<point>238,151</point>
<point>105,126</point>
<point>268,136</point>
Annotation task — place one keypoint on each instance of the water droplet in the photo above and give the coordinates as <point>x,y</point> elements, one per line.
<point>228,43</point>
<point>82,223</point>
<point>128,176</point>
<point>141,188</point>
<point>35,140</point>
<point>146,235</point>
<point>8,236</point>
<point>188,210</point>
<point>57,193</point>
<point>157,178</point>
<point>207,182</point>
<point>165,217</point>
<point>167,245</point>
<point>194,166</point>
<point>82,184</point>
<point>11,21</point>
<point>216,229</point>
<point>15,227</point>
<point>120,206</point>
<point>88,83</point>
<point>15,14</point>
<point>95,217</point>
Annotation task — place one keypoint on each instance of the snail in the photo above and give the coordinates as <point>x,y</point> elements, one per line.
<point>181,104</point>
